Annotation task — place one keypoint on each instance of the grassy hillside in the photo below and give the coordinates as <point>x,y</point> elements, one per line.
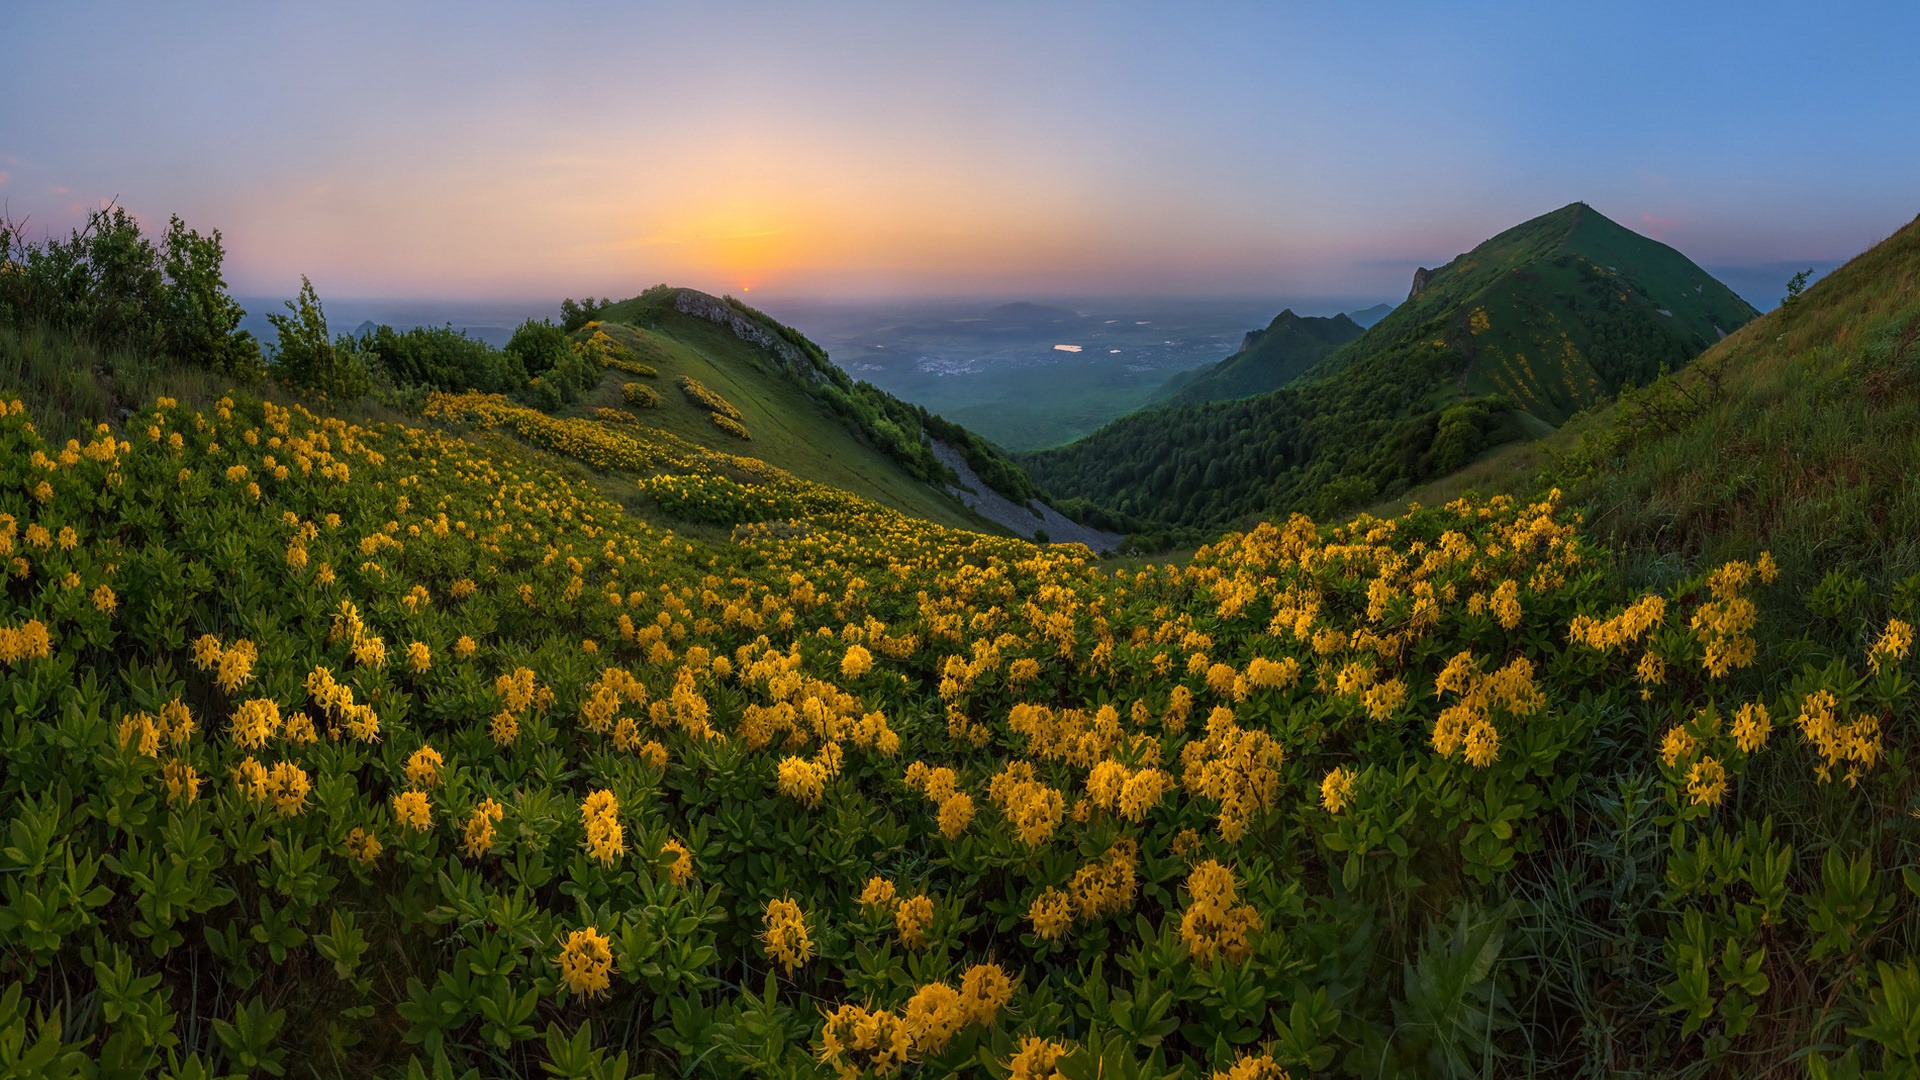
<point>1500,343</point>
<point>747,340</point>
<point>786,424</point>
<point>1795,432</point>
<point>1268,360</point>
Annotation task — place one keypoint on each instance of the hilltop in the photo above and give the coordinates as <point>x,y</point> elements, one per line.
<point>1506,341</point>
<point>1266,360</point>
<point>1557,314</point>
<point>807,414</point>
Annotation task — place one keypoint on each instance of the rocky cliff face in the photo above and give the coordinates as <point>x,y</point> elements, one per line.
<point>1420,276</point>
<point>715,310</point>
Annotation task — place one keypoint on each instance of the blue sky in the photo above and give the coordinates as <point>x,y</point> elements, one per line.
<point>475,150</point>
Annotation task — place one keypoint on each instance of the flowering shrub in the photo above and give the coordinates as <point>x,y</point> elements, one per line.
<point>421,747</point>
<point>698,393</point>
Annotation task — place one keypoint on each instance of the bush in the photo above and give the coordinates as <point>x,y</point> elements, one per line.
<point>439,358</point>
<point>306,358</point>
<point>110,284</point>
<point>559,374</point>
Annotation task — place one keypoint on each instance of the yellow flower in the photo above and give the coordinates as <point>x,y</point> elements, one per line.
<point>1256,1066</point>
<point>254,722</point>
<point>934,1014</point>
<point>1893,645</point>
<point>1051,914</point>
<point>287,786</point>
<point>801,780</point>
<point>504,728</point>
<point>1506,604</point>
<point>1706,782</point>
<point>1677,746</point>
<point>1271,675</point>
<point>464,647</point>
<point>586,963</point>
<point>478,838</point>
<point>1213,923</point>
<point>857,1041</point>
<point>183,783</point>
<point>985,989</point>
<point>419,657</point>
<point>1336,791</point>
<point>1036,1058</point>
<point>363,846</point>
<point>1751,726</point>
<point>878,894</point>
<point>911,917</point>
<point>413,810</point>
<point>856,663</point>
<point>680,870</point>
<point>606,838</point>
<point>956,813</point>
<point>785,936</point>
<point>423,768</point>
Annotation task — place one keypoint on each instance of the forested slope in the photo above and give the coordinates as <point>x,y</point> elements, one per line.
<point>1554,315</point>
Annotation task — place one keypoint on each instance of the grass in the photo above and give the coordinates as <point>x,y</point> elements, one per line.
<point>70,385</point>
<point>789,427</point>
<point>1808,449</point>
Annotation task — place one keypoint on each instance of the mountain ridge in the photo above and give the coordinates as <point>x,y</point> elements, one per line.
<point>1508,339</point>
<point>1267,359</point>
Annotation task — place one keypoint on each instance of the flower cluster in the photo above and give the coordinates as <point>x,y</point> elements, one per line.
<point>785,934</point>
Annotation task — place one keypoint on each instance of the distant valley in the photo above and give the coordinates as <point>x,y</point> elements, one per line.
<point>1030,375</point>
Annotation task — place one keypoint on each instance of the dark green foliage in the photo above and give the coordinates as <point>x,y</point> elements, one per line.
<point>306,357</point>
<point>538,346</point>
<point>558,374</point>
<point>1552,316</point>
<point>113,286</point>
<point>439,358</point>
<point>1269,360</point>
<point>575,314</point>
<point>1796,285</point>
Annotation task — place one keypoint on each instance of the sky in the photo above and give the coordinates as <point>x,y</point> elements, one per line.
<point>905,148</point>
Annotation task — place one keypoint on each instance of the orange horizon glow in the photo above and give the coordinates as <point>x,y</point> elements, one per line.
<point>973,149</point>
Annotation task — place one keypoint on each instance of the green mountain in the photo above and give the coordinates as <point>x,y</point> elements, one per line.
<point>1267,359</point>
<point>1824,394</point>
<point>1508,340</point>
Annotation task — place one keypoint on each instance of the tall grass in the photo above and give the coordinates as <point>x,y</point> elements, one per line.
<point>71,384</point>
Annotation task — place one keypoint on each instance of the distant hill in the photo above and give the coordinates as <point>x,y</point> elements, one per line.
<point>805,414</point>
<point>1368,316</point>
<point>1266,360</point>
<point>1507,340</point>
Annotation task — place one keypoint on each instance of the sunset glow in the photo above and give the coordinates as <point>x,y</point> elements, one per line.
<point>880,150</point>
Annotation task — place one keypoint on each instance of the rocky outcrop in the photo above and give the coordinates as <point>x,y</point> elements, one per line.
<point>1420,276</point>
<point>1025,521</point>
<point>715,310</point>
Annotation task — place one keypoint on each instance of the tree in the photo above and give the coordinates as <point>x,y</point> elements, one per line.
<point>199,322</point>
<point>1796,285</point>
<point>576,314</point>
<point>112,285</point>
<point>306,357</point>
<point>538,346</point>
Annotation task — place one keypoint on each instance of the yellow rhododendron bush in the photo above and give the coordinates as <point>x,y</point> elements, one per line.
<point>385,750</point>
